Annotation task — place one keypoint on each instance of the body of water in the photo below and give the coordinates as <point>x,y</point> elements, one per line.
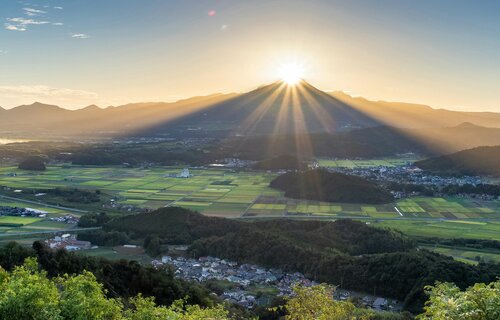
<point>6,141</point>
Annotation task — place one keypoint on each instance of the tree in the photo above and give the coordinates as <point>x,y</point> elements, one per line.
<point>27,293</point>
<point>82,297</point>
<point>34,163</point>
<point>448,302</point>
<point>316,303</point>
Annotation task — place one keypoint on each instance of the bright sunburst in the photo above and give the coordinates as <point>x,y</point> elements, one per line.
<point>291,73</point>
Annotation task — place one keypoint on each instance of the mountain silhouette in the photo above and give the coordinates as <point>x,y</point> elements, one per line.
<point>276,108</point>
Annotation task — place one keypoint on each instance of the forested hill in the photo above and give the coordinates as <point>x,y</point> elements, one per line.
<point>477,161</point>
<point>346,253</point>
<point>322,185</point>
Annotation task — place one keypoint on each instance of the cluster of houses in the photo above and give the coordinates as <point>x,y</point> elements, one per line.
<point>244,276</point>
<point>22,212</point>
<point>69,219</point>
<point>69,242</point>
<point>408,174</point>
<point>369,301</point>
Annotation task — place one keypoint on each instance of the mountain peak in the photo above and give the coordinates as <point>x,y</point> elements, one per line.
<point>467,125</point>
<point>91,107</point>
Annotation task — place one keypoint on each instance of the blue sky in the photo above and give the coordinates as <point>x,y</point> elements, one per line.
<point>77,52</point>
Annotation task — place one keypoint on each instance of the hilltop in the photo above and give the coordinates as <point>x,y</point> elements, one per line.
<point>476,161</point>
<point>322,185</point>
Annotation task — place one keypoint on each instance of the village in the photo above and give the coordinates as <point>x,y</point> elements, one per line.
<point>246,276</point>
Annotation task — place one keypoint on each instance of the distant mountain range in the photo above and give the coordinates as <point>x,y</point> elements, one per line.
<point>272,109</point>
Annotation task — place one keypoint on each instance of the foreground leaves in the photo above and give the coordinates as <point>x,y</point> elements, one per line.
<point>28,293</point>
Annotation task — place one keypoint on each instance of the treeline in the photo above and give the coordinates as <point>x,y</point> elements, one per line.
<point>451,189</point>
<point>71,194</point>
<point>346,253</point>
<point>322,185</point>
<point>483,188</point>
<point>135,155</point>
<point>461,242</point>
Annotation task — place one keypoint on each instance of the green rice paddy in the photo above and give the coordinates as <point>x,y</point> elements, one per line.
<point>230,193</point>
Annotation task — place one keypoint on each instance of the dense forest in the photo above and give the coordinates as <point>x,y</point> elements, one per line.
<point>345,253</point>
<point>322,185</point>
<point>477,161</point>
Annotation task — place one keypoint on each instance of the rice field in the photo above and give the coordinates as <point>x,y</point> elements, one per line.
<point>365,163</point>
<point>229,193</point>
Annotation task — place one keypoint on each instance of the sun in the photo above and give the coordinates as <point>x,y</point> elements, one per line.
<point>291,73</point>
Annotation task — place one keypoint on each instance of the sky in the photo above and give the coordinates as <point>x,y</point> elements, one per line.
<point>443,53</point>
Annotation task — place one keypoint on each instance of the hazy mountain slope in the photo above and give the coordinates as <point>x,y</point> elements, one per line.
<point>370,142</point>
<point>272,109</point>
<point>477,161</point>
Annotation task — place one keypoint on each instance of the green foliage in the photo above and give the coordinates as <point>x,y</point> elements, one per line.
<point>316,303</point>
<point>28,294</point>
<point>93,220</point>
<point>82,297</point>
<point>322,185</point>
<point>448,302</point>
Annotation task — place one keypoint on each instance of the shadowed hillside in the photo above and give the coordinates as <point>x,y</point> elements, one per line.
<point>277,109</point>
<point>477,161</point>
<point>322,185</point>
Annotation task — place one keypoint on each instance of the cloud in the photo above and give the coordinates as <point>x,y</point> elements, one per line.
<point>80,36</point>
<point>26,21</point>
<point>12,27</point>
<point>44,91</point>
<point>33,12</point>
<point>21,24</point>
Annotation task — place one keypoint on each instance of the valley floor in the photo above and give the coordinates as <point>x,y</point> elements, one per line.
<point>231,194</point>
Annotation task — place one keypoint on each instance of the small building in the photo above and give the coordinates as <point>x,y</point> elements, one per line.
<point>184,173</point>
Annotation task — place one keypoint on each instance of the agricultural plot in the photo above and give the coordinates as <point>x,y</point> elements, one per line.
<point>385,162</point>
<point>466,254</point>
<point>445,229</point>
<point>229,193</point>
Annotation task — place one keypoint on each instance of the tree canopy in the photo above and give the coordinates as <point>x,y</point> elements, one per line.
<point>448,302</point>
<point>28,293</point>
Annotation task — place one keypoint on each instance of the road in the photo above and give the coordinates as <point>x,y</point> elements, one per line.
<point>14,234</point>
